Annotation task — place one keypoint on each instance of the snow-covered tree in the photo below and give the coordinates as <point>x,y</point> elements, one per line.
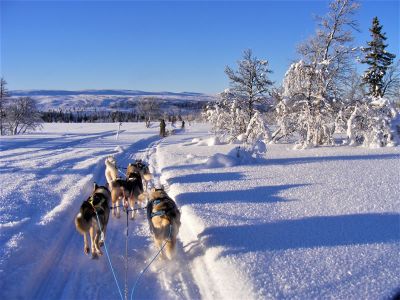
<point>377,59</point>
<point>22,116</point>
<point>235,118</point>
<point>391,82</point>
<point>3,103</point>
<point>370,122</point>
<point>250,83</point>
<point>313,86</point>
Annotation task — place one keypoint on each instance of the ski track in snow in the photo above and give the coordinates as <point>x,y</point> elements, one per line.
<point>65,167</point>
<point>43,251</point>
<point>318,223</point>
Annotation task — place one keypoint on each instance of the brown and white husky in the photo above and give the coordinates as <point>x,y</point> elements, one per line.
<point>86,220</point>
<point>164,220</point>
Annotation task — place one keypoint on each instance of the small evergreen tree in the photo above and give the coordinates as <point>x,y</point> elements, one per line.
<point>378,60</point>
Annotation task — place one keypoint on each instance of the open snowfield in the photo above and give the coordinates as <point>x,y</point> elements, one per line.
<point>318,223</point>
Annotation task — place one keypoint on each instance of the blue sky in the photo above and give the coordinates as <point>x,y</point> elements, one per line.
<point>159,46</point>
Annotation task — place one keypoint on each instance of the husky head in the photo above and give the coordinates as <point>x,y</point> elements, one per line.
<point>157,192</point>
<point>143,168</point>
<point>111,159</point>
<point>100,189</point>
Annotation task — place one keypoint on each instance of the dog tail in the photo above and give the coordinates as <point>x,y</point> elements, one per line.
<point>82,226</point>
<point>143,196</point>
<point>147,176</point>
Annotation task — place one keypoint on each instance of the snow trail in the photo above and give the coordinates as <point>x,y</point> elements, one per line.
<point>59,267</point>
<point>319,223</point>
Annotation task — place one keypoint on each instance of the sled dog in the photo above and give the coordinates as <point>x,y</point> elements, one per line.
<point>86,220</point>
<point>111,169</point>
<point>119,191</point>
<point>164,221</point>
<point>143,168</point>
<point>134,187</point>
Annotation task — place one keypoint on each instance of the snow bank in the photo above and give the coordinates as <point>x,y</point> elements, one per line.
<point>214,140</point>
<point>237,156</point>
<point>221,160</point>
<point>303,224</point>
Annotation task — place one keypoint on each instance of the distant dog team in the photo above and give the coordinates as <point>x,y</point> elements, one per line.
<point>162,213</point>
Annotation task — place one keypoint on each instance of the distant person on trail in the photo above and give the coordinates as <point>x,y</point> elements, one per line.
<point>183,124</point>
<point>162,128</point>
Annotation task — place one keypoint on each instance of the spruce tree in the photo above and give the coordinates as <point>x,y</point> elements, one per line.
<point>378,60</point>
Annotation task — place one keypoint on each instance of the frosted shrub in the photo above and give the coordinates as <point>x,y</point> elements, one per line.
<point>229,125</point>
<point>257,136</point>
<point>370,124</point>
<point>227,118</point>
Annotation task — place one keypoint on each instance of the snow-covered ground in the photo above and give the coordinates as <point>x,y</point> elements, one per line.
<point>317,223</point>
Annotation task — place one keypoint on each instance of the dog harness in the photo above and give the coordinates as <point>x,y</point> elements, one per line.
<point>98,205</point>
<point>157,213</point>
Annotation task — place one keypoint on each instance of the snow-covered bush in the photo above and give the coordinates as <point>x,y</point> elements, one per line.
<point>257,136</point>
<point>229,124</point>
<point>227,117</point>
<point>370,124</point>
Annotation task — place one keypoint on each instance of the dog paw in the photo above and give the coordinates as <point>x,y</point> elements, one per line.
<point>118,216</point>
<point>101,243</point>
<point>86,250</point>
<point>95,255</point>
<point>99,253</point>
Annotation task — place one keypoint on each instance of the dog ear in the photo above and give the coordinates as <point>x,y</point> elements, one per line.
<point>95,186</point>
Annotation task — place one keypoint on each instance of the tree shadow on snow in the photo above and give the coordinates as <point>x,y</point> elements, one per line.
<point>206,177</point>
<point>327,231</point>
<point>317,159</point>
<point>263,194</point>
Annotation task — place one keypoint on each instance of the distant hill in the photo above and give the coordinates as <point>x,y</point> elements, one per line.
<point>110,99</point>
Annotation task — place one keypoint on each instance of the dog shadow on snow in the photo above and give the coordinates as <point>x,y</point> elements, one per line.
<point>311,232</point>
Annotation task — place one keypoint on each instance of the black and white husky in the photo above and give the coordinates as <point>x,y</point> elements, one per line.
<point>86,220</point>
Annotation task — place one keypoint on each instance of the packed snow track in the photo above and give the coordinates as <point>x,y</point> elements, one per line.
<point>317,223</point>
